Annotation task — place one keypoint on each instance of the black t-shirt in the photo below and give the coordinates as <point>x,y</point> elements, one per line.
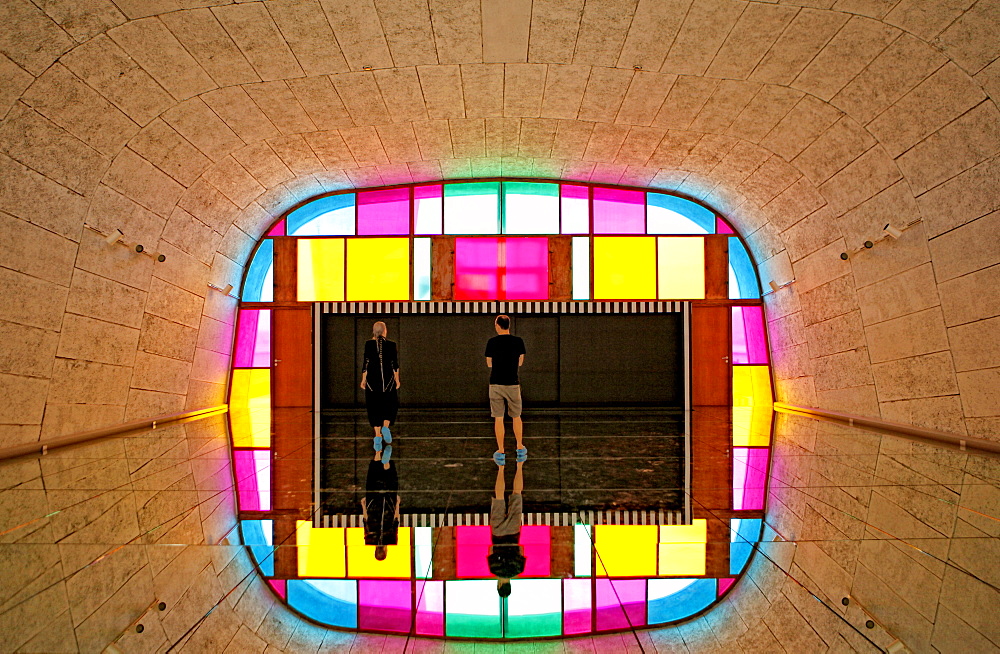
<point>506,351</point>
<point>506,561</point>
<point>381,486</point>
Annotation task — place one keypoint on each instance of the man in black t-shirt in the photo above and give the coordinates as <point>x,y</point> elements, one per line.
<point>504,355</point>
<point>506,558</point>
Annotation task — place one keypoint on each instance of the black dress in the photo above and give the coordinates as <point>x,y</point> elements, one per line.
<point>381,361</point>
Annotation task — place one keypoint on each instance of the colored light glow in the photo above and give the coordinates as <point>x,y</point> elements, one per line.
<point>477,268</point>
<point>619,211</point>
<point>624,268</point>
<point>361,561</point>
<point>253,479</point>
<point>329,216</point>
<point>725,584</point>
<point>430,607</point>
<point>749,477</point>
<point>575,203</point>
<point>582,550</point>
<point>680,268</point>
<point>472,208</point>
<point>668,214</point>
<point>250,407</point>
<point>530,208</point>
<point>253,339</point>
<point>385,605</point>
<point>259,285</point>
<point>722,227</point>
<point>752,406</point>
<point>321,270</point>
<point>578,606</point>
<point>682,549</point>
<point>749,343</point>
<point>621,603</point>
<point>625,550</point>
<point>526,268</point>
<point>676,599</point>
<point>327,601</point>
<point>421,269</point>
<point>378,269</point>
<point>278,229</point>
<point>279,587</point>
<point>581,267</point>
<point>384,212</point>
<point>423,553</point>
<point>473,608</point>
<point>257,535</point>
<point>743,535</point>
<point>742,277</point>
<point>428,209</point>
<point>534,608</point>
<point>321,551</point>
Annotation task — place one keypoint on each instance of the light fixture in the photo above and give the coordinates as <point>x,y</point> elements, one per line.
<point>113,237</point>
<point>892,232</point>
<point>844,256</point>
<point>226,290</point>
<point>775,286</point>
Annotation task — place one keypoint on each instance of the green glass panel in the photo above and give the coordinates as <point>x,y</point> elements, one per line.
<point>472,208</point>
<point>534,608</point>
<point>472,608</point>
<point>530,208</point>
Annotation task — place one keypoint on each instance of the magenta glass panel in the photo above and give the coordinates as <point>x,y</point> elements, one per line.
<point>428,209</point>
<point>278,229</point>
<point>385,605</point>
<point>621,603</point>
<point>477,270</point>
<point>472,546</point>
<point>725,584</point>
<point>577,606</point>
<point>279,587</point>
<point>749,477</point>
<point>253,339</point>
<point>721,227</point>
<point>618,211</point>
<point>430,608</point>
<point>537,543</point>
<point>526,268</point>
<point>246,480</point>
<point>749,344</point>
<point>384,212</point>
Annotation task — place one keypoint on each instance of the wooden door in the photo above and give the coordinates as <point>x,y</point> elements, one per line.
<point>710,370</point>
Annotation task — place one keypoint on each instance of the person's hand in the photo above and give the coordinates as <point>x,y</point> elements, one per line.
<point>362,386</point>
<point>398,384</point>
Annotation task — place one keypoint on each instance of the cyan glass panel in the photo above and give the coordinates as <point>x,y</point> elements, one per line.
<point>472,208</point>
<point>421,269</point>
<point>744,534</point>
<point>742,277</point>
<point>327,601</point>
<point>667,214</point>
<point>676,599</point>
<point>329,216</point>
<point>258,537</point>
<point>259,283</point>
<point>530,208</point>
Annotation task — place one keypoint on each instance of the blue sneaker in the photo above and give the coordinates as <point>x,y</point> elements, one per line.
<point>522,454</point>
<point>387,454</point>
<point>377,442</point>
<point>386,434</point>
<point>500,458</point>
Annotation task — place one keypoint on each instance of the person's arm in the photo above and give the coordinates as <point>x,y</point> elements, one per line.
<point>395,364</point>
<point>364,367</point>
<point>520,360</point>
<point>489,362</point>
<point>397,507</point>
<point>364,511</point>
<point>364,378</point>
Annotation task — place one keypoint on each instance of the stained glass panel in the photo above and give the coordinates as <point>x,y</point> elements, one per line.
<point>320,270</point>
<point>472,208</point>
<point>384,212</point>
<point>621,603</point>
<point>321,551</point>
<point>385,605</point>
<point>619,211</point>
<point>669,214</point>
<point>676,599</point>
<point>477,268</point>
<point>428,209</point>
<point>624,268</point>
<point>259,285</point>
<point>749,343</point>
<point>253,339</point>
<point>327,601</point>
<point>530,208</point>
<point>473,608</point>
<point>329,216</point>
<point>526,269</point>
<point>749,477</point>
<point>378,269</point>
<point>682,549</point>
<point>680,268</point>
<point>575,205</point>
<point>534,608</point>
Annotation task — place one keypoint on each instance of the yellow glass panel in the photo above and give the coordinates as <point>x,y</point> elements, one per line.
<point>378,269</point>
<point>250,408</point>
<point>321,270</point>
<point>680,268</point>
<point>624,268</point>
<point>752,406</point>
<point>321,550</point>
<point>625,550</point>
<point>361,560</point>
<point>682,549</point>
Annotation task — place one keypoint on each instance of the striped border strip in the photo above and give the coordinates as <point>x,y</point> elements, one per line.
<point>659,517</point>
<point>583,307</point>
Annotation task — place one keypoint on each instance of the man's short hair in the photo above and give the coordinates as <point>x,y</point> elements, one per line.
<point>503,322</point>
<point>503,589</point>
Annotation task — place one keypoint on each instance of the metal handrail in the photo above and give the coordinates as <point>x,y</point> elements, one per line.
<point>44,447</point>
<point>935,437</point>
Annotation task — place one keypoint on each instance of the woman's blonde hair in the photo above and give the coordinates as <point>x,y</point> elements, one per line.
<point>378,330</point>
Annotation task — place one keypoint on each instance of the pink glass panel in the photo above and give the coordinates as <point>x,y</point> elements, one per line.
<point>721,227</point>
<point>526,268</point>
<point>749,344</point>
<point>577,606</point>
<point>749,477</point>
<point>620,603</point>
<point>428,209</point>
<point>278,229</point>
<point>477,270</point>
<point>253,479</point>
<point>279,587</point>
<point>385,605</point>
<point>618,211</point>
<point>384,212</point>
<point>725,584</point>
<point>430,608</point>
<point>253,339</point>
<point>537,543</point>
<point>472,545</point>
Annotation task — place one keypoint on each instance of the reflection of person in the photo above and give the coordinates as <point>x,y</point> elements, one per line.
<point>506,559</point>
<point>380,379</point>
<point>380,507</point>
<point>504,355</point>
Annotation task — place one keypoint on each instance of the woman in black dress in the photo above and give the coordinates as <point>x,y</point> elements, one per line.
<point>380,379</point>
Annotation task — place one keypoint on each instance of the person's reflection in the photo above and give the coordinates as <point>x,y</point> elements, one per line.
<point>380,506</point>
<point>505,558</point>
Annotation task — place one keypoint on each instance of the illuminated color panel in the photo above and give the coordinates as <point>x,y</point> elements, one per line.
<point>526,269</point>
<point>257,535</point>
<point>743,534</point>
<point>385,605</point>
<point>676,599</point>
<point>721,227</point>
<point>328,601</point>
<point>575,202</point>
<point>537,543</point>
<point>534,608</point>
<point>384,212</point>
<point>530,208</point>
<point>253,339</point>
<point>749,343</point>
<point>625,550</point>
<point>742,277</point>
<point>578,606</point>
<point>682,549</point>
<point>582,550</point>
<point>581,267</point>
<point>430,607</point>
<point>279,587</point>
<point>725,584</point>
<point>749,477</point>
<point>421,269</point>
<point>329,216</point>
<point>477,268</point>
<point>423,553</point>
<point>621,603</point>
<point>472,208</point>
<point>619,211</point>
<point>752,406</point>
<point>472,546</point>
<point>667,214</point>
<point>253,479</point>
<point>378,269</point>
<point>259,283</point>
<point>250,407</point>
<point>361,561</point>
<point>428,209</point>
<point>321,270</point>
<point>680,268</point>
<point>624,268</point>
<point>321,550</point>
<point>278,229</point>
<point>473,608</point>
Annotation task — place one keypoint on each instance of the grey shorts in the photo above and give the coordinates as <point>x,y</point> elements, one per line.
<point>505,520</point>
<point>512,395</point>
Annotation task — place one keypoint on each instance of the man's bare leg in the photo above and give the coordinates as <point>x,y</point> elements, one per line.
<point>498,430</point>
<point>519,478</point>
<point>499,488</point>
<point>518,432</point>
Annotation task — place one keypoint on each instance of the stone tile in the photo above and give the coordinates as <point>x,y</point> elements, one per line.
<point>110,210</point>
<point>963,198</point>
<point>210,44</point>
<point>197,123</point>
<point>25,622</point>
<point>860,180</point>
<point>153,47</point>
<point>149,404</point>
<point>768,181</point>
<point>969,40</point>
<point>838,334</point>
<point>604,142</point>
<point>799,127</point>
<point>603,27</point>
<point>234,182</point>
<point>965,249</point>
<point>536,137</point>
<point>280,106</point>
<point>402,93</point>
<point>191,235</point>
<point>821,267</point>
<point>902,294</point>
<point>87,339</point>
<point>13,82</point>
<point>926,19</point>
<point>654,27</point>
<point>644,97</point>
<point>258,38</point>
<point>962,298</point>
<point>847,54</point>
<point>944,413</point>
<point>805,36</point>
<point>26,351</point>
<point>24,400</point>
<point>980,395</point>
<point>505,27</point>
<point>843,370</point>
<point>163,147</point>
<point>604,94</point>
<point>685,100</point>
<point>973,345</point>
<point>523,87</point>
<point>928,375</point>
<point>408,32</point>
<point>88,382</point>
<point>554,28</point>
<point>442,91</point>
<point>268,169</point>
<point>166,338</point>
<point>810,234</point>
<point>138,180</point>
<point>730,98</point>
<point>115,614</point>
<point>750,39</point>
<point>32,39</point>
<point>910,335</point>
<point>98,297</point>
<point>307,31</point>
<point>26,194</point>
<point>564,90</point>
<point>240,113</point>
<point>174,303</point>
<point>833,150</point>
<point>701,36</point>
<point>482,88</point>
<point>182,270</point>
<point>31,301</point>
<point>953,633</point>
<point>361,97</point>
<point>433,139</point>
<point>35,251</point>
<point>209,205</point>
<point>457,31</point>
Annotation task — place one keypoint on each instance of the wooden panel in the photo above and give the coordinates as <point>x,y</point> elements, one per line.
<point>286,558</point>
<point>445,553</point>
<point>710,373</point>
<point>291,347</point>
<point>716,267</point>
<point>292,443</point>
<point>442,267</point>
<point>286,267</point>
<point>562,551</point>
<point>560,268</point>
<point>711,481</point>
